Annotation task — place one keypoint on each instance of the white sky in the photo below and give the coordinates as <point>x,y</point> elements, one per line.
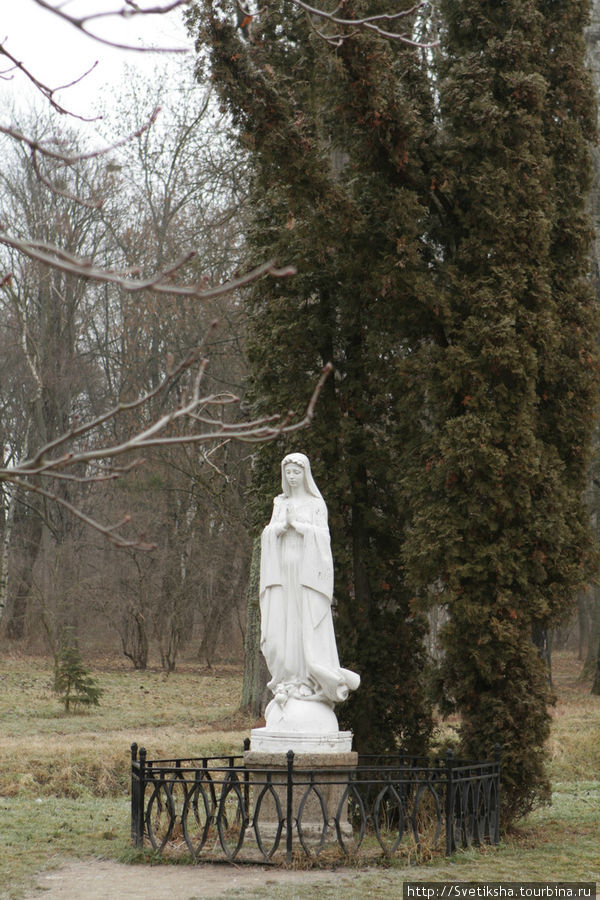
<point>57,53</point>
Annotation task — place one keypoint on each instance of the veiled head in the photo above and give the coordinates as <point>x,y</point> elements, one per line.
<point>302,462</point>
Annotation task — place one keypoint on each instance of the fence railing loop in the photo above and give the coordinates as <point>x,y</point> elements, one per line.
<point>226,807</point>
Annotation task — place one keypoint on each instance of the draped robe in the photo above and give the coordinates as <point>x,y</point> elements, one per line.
<point>296,589</point>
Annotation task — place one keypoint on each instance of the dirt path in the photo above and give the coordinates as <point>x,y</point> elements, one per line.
<point>104,880</point>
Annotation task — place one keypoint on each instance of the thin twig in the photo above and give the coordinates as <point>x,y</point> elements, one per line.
<point>70,159</point>
<point>88,204</point>
<point>368,23</point>
<point>126,12</point>
<point>44,89</point>
<point>46,466</point>
<point>108,531</point>
<point>266,428</point>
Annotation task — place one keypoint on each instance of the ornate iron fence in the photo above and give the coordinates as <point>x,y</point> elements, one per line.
<point>215,807</point>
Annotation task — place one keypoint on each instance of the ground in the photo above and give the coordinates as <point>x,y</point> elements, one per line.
<point>64,805</point>
<point>106,880</point>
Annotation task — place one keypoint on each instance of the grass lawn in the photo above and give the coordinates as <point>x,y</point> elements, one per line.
<point>64,779</point>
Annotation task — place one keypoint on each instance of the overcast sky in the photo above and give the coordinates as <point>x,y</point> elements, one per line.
<point>57,53</point>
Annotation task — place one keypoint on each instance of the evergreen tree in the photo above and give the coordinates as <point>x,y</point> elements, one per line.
<point>336,139</point>
<point>512,375</point>
<point>72,680</point>
<point>441,246</point>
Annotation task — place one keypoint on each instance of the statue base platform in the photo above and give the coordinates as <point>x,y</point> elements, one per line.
<point>319,780</point>
<point>264,740</point>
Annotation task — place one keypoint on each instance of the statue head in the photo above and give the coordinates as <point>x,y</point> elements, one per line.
<point>301,461</point>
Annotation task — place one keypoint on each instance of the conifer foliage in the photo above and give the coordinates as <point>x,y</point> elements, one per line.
<point>512,382</point>
<point>433,205</point>
<point>333,138</point>
<point>72,679</point>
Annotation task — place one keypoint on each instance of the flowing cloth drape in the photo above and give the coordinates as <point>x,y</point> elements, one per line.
<point>296,589</point>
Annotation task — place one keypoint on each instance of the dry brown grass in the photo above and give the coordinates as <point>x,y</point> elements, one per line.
<point>47,751</point>
<point>64,779</point>
<point>574,745</point>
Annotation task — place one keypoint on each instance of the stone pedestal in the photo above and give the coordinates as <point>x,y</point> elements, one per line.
<point>319,776</point>
<point>265,741</point>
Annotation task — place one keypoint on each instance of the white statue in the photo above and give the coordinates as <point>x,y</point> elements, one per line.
<point>296,588</point>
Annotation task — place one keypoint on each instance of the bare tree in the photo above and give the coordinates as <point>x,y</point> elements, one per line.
<point>95,389</point>
<point>73,421</point>
<point>45,308</point>
<point>88,442</point>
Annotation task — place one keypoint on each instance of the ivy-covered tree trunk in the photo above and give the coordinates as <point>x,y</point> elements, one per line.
<point>335,138</point>
<point>513,372</point>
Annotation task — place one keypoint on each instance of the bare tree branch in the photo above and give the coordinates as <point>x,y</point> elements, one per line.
<point>47,463</point>
<point>67,159</point>
<point>52,255</point>
<point>128,11</point>
<point>161,283</point>
<point>44,89</point>
<point>108,531</point>
<point>44,148</point>
<point>369,23</point>
<point>349,27</point>
<point>89,452</point>
<point>89,204</point>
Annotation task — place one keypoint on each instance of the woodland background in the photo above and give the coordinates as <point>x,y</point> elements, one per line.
<point>434,199</point>
<point>71,348</point>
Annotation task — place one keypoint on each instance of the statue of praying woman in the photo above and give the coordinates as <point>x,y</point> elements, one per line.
<point>296,589</point>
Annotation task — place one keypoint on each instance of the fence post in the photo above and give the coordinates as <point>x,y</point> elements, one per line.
<point>498,758</point>
<point>450,846</point>
<point>289,805</point>
<point>134,790</point>
<point>138,824</point>
<point>246,783</point>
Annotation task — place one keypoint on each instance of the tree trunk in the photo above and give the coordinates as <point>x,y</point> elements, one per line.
<point>583,624</point>
<point>9,516</point>
<point>254,686</point>
<point>596,682</point>
<point>590,665</point>
<point>541,639</point>
<point>27,536</point>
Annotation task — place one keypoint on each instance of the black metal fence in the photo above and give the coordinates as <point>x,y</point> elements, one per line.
<point>216,807</point>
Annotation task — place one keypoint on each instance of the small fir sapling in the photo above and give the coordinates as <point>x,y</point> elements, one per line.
<point>72,680</point>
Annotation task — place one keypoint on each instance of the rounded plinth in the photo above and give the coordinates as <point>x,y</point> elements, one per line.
<point>305,716</point>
